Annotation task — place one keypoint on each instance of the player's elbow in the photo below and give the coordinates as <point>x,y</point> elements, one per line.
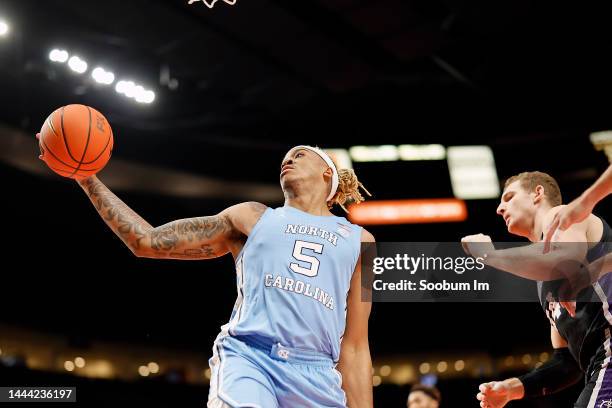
<point>355,346</point>
<point>141,251</point>
<point>138,252</point>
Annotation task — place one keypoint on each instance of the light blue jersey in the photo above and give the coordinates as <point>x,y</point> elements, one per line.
<point>281,344</point>
<point>294,275</point>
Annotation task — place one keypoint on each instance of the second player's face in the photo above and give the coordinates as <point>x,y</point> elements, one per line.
<point>418,399</point>
<point>302,165</point>
<point>517,209</point>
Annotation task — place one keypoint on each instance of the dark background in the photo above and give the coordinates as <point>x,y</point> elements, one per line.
<point>528,78</point>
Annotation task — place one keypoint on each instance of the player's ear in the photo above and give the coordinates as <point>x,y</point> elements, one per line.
<point>328,172</point>
<point>539,194</point>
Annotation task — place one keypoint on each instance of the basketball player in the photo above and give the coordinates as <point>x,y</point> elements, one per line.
<point>298,314</point>
<point>580,208</point>
<point>581,342</point>
<point>422,396</point>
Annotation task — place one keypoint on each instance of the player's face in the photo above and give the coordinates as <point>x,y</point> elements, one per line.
<point>418,399</point>
<point>517,208</point>
<point>302,165</point>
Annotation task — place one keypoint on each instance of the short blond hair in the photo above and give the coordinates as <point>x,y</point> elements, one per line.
<point>531,179</point>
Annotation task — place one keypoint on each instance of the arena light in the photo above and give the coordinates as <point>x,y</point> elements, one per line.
<point>526,359</point>
<point>376,381</point>
<point>143,95</point>
<point>153,367</point>
<point>341,157</point>
<point>149,97</point>
<point>403,374</point>
<point>374,153</point>
<point>58,55</point>
<point>459,365</point>
<point>422,152</point>
<point>143,371</point>
<point>4,28</point>
<point>135,91</point>
<point>472,172</point>
<point>77,64</point>
<point>408,211</point>
<point>603,141</point>
<point>122,87</point>
<point>130,91</point>
<point>69,365</point>
<point>101,76</point>
<point>79,362</point>
<point>385,370</point>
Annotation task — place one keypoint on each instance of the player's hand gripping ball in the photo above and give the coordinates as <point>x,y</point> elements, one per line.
<point>76,141</point>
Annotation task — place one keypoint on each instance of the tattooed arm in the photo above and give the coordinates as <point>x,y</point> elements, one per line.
<point>190,238</point>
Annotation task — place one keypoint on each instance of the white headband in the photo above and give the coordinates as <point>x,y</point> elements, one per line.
<point>329,162</point>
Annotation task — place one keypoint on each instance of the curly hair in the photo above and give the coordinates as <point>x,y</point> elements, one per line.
<point>348,189</point>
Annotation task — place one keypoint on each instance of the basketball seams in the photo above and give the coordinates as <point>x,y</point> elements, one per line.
<point>50,125</point>
<point>64,136</point>
<point>60,160</point>
<point>86,144</point>
<point>71,173</point>
<point>110,136</point>
<point>57,160</point>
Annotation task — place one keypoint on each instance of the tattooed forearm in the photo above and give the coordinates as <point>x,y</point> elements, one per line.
<point>128,225</point>
<point>206,251</point>
<point>182,239</point>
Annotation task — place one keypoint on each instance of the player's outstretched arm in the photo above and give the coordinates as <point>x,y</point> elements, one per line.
<point>355,363</point>
<point>558,373</point>
<point>496,394</point>
<point>580,208</point>
<point>529,261</point>
<point>191,238</point>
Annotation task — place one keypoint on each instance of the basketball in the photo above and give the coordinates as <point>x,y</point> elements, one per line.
<point>76,141</point>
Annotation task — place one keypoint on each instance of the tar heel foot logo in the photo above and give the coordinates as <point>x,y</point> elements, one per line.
<point>211,3</point>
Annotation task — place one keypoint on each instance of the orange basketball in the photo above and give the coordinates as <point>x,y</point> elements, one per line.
<point>76,141</point>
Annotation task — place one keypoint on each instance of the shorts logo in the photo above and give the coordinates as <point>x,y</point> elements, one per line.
<point>606,404</point>
<point>284,354</point>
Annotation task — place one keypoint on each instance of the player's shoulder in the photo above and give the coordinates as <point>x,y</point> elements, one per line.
<point>366,236</point>
<point>244,216</point>
<point>592,221</point>
<point>248,208</point>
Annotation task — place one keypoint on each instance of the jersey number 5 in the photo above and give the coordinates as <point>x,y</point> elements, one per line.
<point>298,254</point>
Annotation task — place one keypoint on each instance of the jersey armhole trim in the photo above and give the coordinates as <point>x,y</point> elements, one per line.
<point>256,228</point>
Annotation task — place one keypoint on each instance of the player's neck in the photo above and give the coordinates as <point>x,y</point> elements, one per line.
<point>538,220</point>
<point>307,203</point>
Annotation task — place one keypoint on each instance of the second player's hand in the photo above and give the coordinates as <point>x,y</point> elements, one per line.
<point>478,245</point>
<point>495,394</point>
<point>574,212</point>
